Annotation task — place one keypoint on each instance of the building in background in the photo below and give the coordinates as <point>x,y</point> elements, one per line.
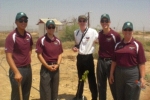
<point>42,26</point>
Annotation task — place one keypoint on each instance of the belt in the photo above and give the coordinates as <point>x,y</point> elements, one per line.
<point>26,66</point>
<point>51,63</point>
<point>105,59</point>
<point>85,54</point>
<point>126,67</point>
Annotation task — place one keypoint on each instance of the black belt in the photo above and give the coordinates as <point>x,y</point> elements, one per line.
<point>105,59</point>
<point>26,66</point>
<point>51,63</point>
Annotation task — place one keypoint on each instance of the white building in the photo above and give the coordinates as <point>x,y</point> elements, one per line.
<point>42,26</point>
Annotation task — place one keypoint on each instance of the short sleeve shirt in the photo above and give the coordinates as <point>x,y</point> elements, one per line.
<point>50,49</point>
<point>87,43</point>
<point>107,43</point>
<point>129,54</point>
<point>20,47</point>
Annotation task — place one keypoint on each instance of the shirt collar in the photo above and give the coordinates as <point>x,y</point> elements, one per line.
<point>16,30</point>
<point>54,38</point>
<point>108,32</point>
<point>122,41</point>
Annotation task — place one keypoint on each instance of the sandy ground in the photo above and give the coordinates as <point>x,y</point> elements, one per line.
<point>68,79</point>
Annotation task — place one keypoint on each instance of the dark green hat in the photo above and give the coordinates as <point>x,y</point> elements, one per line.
<point>105,16</point>
<point>20,15</point>
<point>82,17</point>
<point>50,22</point>
<point>127,25</point>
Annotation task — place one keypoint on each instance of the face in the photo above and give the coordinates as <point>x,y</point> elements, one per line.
<point>50,29</point>
<point>127,33</point>
<point>82,23</point>
<point>105,23</point>
<point>22,23</point>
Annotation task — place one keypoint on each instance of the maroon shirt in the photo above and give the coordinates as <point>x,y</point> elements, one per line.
<point>20,47</point>
<point>50,49</point>
<point>107,43</point>
<point>129,54</point>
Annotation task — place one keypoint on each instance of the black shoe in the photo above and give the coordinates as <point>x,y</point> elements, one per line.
<point>81,98</point>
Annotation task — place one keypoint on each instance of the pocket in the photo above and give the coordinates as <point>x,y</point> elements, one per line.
<point>11,73</point>
<point>43,72</point>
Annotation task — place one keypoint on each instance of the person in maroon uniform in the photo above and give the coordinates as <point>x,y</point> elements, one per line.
<point>18,47</point>
<point>49,51</point>
<point>107,41</point>
<point>128,65</point>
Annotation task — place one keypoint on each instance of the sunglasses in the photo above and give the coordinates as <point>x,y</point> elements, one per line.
<point>21,20</point>
<point>53,27</point>
<point>128,30</point>
<point>82,21</point>
<point>106,21</point>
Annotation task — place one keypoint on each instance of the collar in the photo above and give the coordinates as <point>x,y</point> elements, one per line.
<point>86,29</point>
<point>54,38</point>
<point>122,41</point>
<point>16,30</point>
<point>108,32</point>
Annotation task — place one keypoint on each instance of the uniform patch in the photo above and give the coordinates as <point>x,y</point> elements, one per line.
<point>28,39</point>
<point>108,39</point>
<point>128,24</point>
<point>132,48</point>
<point>121,46</point>
<point>87,38</point>
<point>56,43</point>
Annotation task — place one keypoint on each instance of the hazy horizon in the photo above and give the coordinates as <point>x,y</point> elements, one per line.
<point>136,11</point>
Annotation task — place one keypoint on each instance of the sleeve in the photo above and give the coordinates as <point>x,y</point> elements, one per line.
<point>141,55</point>
<point>61,49</point>
<point>118,38</point>
<point>31,42</point>
<point>9,44</point>
<point>39,47</point>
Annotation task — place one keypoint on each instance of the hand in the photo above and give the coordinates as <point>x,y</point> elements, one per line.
<point>111,79</point>
<point>96,41</point>
<point>75,49</point>
<point>55,66</point>
<point>142,82</point>
<point>18,77</point>
<point>51,67</point>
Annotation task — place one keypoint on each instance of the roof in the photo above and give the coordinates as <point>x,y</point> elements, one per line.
<point>45,20</point>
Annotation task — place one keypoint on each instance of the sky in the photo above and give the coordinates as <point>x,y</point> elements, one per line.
<point>120,11</point>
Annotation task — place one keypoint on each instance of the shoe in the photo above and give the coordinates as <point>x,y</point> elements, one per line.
<point>75,98</point>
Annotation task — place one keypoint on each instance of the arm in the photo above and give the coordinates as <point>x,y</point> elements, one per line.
<point>30,52</point>
<point>18,76</point>
<point>58,62</point>
<point>142,74</point>
<point>42,60</point>
<point>113,66</point>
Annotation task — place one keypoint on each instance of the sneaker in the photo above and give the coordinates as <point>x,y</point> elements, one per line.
<point>75,98</point>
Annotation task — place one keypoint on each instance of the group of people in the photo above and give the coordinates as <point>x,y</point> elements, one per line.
<point>122,62</point>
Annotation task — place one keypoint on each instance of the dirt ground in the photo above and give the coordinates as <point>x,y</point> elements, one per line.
<point>68,78</point>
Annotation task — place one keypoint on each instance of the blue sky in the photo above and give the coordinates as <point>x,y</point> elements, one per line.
<point>136,11</point>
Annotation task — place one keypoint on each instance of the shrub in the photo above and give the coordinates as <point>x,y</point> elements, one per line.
<point>68,32</point>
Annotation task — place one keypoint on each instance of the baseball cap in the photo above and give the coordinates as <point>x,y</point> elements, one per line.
<point>105,16</point>
<point>20,15</point>
<point>50,22</point>
<point>82,17</point>
<point>127,25</point>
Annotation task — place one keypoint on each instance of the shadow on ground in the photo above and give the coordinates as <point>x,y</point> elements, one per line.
<point>68,97</point>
